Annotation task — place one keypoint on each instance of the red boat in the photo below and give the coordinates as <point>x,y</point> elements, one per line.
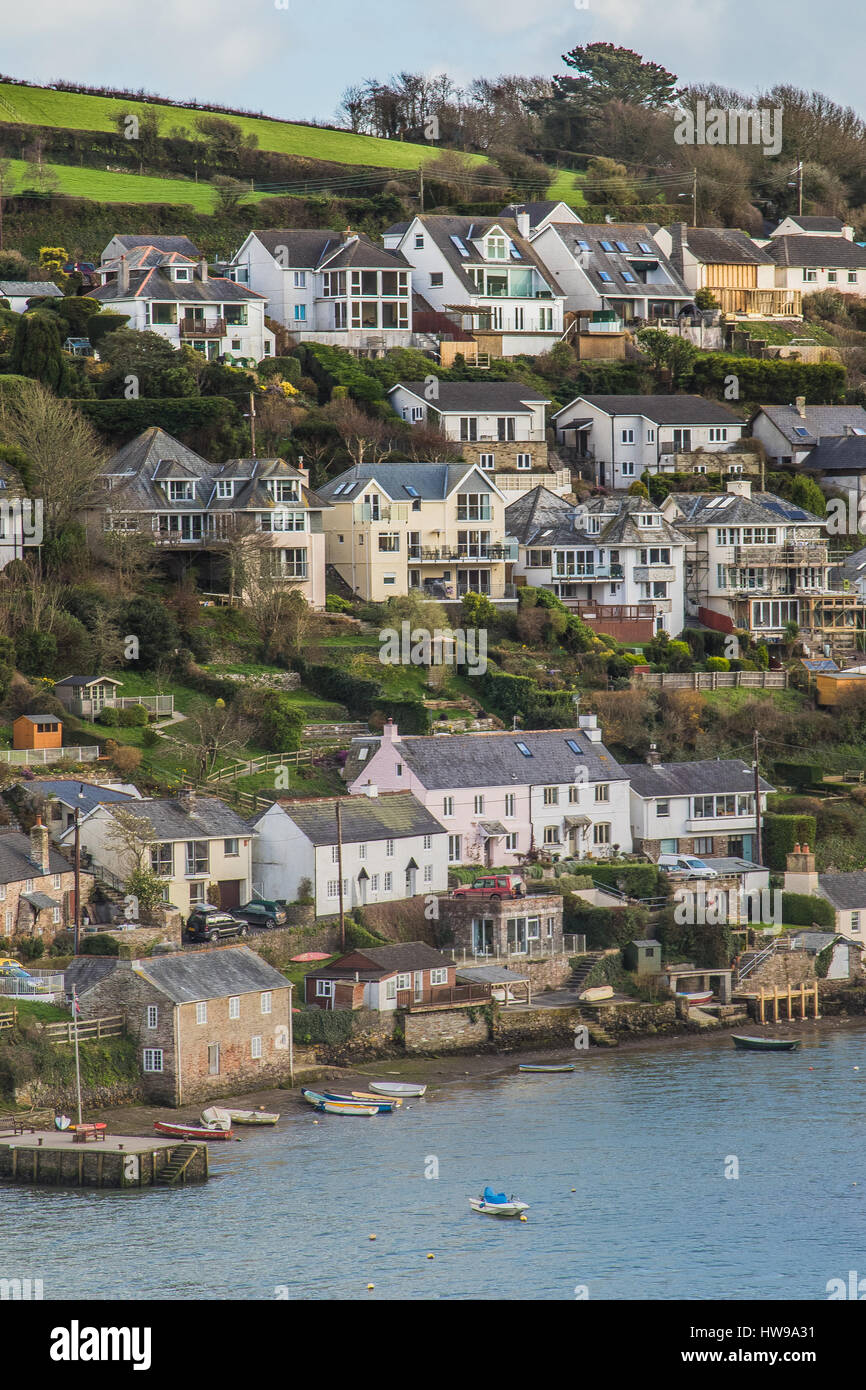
<point>178,1131</point>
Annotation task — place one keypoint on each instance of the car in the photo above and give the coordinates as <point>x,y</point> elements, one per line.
<point>685,866</point>
<point>207,923</point>
<point>493,886</point>
<point>437,588</point>
<point>262,912</point>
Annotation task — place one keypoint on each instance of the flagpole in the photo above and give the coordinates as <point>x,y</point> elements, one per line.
<point>75,1012</point>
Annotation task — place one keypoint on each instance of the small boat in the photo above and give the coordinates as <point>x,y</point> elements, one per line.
<point>530,1066</point>
<point>746,1044</point>
<point>492,1203</point>
<point>700,996</point>
<point>397,1088</point>
<point>381,1103</point>
<point>394,1101</point>
<point>341,1107</point>
<point>178,1131</point>
<point>241,1117</point>
<point>216,1118</point>
<point>596,994</point>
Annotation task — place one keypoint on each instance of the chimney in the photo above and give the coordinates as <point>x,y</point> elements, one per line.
<point>800,406</point>
<point>186,799</point>
<point>653,757</point>
<point>523,223</point>
<point>740,487</point>
<point>390,732</point>
<point>588,725</point>
<point>39,846</point>
<point>202,269</point>
<point>848,233</point>
<point>371,790</point>
<point>123,276</point>
<point>800,874</point>
<point>300,465</point>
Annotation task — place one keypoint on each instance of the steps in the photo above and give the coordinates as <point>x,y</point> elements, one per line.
<point>177,1164</point>
<point>583,969</point>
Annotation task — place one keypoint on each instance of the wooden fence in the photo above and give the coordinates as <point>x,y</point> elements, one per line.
<point>110,1027</point>
<point>8,1020</point>
<point>262,764</point>
<point>712,680</point>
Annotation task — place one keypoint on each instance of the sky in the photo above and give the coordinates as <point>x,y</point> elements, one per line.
<point>294,58</point>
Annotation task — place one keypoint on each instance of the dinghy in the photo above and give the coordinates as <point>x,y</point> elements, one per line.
<point>62,1122</point>
<point>241,1117</point>
<point>216,1118</point>
<point>394,1101</point>
<point>178,1131</point>
<point>596,994</point>
<point>747,1044</point>
<point>397,1088</point>
<point>492,1203</point>
<point>381,1103</point>
<point>530,1066</point>
<point>700,996</point>
<point>320,1101</point>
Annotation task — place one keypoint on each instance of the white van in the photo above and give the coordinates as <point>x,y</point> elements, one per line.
<point>685,866</point>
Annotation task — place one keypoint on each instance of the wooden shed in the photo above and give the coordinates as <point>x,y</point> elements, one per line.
<point>37,731</point>
<point>643,956</point>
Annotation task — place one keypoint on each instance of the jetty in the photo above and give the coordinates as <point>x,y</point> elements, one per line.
<point>51,1158</point>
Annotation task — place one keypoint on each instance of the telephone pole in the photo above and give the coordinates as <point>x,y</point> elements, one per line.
<point>757,796</point>
<point>253,423</point>
<point>340,872</point>
<point>799,186</point>
<point>421,190</point>
<point>694,197</point>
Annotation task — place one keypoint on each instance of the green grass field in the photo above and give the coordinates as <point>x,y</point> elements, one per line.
<point>99,185</point>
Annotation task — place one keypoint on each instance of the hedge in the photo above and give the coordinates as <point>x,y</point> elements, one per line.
<point>801,910</point>
<point>323,1026</point>
<point>781,833</point>
<point>603,926</point>
<point>799,774</point>
<point>363,697</point>
<point>773,380</point>
<point>641,880</point>
<point>508,695</point>
<point>123,420</point>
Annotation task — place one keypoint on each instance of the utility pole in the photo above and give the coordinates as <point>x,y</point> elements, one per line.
<point>799,186</point>
<point>1,209</point>
<point>757,796</point>
<point>694,197</point>
<point>340,872</point>
<point>420,190</point>
<point>252,418</point>
<point>77,889</point>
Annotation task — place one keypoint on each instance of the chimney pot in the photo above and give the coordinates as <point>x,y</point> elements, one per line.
<point>39,846</point>
<point>203,270</point>
<point>800,405</point>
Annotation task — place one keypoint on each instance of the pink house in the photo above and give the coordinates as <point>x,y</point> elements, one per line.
<point>500,795</point>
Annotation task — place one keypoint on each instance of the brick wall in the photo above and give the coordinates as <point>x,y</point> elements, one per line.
<point>124,992</point>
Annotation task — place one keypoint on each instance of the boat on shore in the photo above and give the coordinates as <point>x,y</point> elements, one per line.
<point>239,1117</point>
<point>381,1103</point>
<point>397,1088</point>
<point>531,1066</point>
<point>747,1044</point>
<point>394,1101</point>
<point>596,994</point>
<point>179,1131</point>
<point>492,1203</point>
<point>216,1118</point>
<point>700,996</point>
<point>320,1101</point>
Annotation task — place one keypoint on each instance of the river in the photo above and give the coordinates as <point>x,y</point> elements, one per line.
<point>644,1137</point>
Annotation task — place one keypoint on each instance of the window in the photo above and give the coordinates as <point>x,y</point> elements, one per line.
<point>602,792</point>
<point>439,977</point>
<point>533,928</point>
<point>428,842</point>
<point>8,921</point>
<point>522,748</point>
<point>374,883</point>
<point>56,880</point>
<point>300,313</point>
<point>809,275</point>
<point>655,555</point>
<point>55,915</point>
<point>419,242</point>
<point>551,796</point>
<point>267,1001</point>
<point>511,841</point>
<point>225,487</point>
<point>852,277</point>
<point>428,873</point>
<point>152,1015</point>
<point>551,834</point>
<point>389,541</point>
<point>324,989</point>
<point>832,277</point>
<point>497,248</point>
<point>255,1047</point>
<point>300,279</point>
<point>213,1059</point>
<point>448,806</point>
<point>524,460</point>
<point>663,808</point>
<point>3,893</point>
<point>201,1013</point>
<point>607,279</point>
<point>453,850</point>
<point>505,427</point>
<point>704,844</point>
<point>231,848</point>
<point>510,804</point>
<point>718,436</point>
<point>574,794</point>
<point>28,885</point>
<point>487,461</point>
<point>855,921</point>
<point>626,436</point>
<point>152,1059</point>
<point>333,888</point>
<point>389,849</point>
<point>628,469</point>
<point>197,861</point>
<point>437,279</point>
<point>775,613</point>
<point>478,805</point>
<point>179,491</point>
<point>389,883</point>
<point>362,851</point>
<point>649,519</point>
<point>468,427</point>
<point>235,1006</point>
<point>601,833</point>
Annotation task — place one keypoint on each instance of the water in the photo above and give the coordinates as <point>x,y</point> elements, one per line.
<point>642,1136</point>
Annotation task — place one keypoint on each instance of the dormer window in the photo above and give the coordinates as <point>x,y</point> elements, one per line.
<point>182,273</point>
<point>226,487</point>
<point>283,490</point>
<point>497,248</point>
<point>649,519</point>
<point>179,490</point>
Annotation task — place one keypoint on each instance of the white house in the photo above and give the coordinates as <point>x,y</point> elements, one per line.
<point>846,892</point>
<point>613,560</point>
<point>791,433</point>
<point>169,293</point>
<point>629,435</point>
<point>485,275</point>
<point>613,266</point>
<point>330,287</point>
<point>533,217</point>
<point>705,808</point>
<point>812,226</point>
<point>392,849</point>
<point>18,292</point>
<point>814,259</point>
<point>500,795</point>
<point>739,273</point>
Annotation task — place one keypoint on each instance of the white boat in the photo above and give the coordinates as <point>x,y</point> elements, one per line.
<point>492,1203</point>
<point>224,1118</point>
<point>216,1118</point>
<point>397,1088</point>
<point>595,994</point>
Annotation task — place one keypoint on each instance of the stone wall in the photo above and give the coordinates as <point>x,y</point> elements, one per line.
<point>513,1030</point>
<point>633,1018</point>
<point>783,969</point>
<point>456,915</point>
<point>93,1165</point>
<point>448,1030</point>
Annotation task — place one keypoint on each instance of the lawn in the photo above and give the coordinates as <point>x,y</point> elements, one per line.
<point>30,1011</point>
<point>777,334</point>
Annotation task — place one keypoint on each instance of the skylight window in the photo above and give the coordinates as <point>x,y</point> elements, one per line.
<point>642,246</point>
<point>622,246</point>
<point>603,275</point>
<point>362,753</point>
<point>338,490</point>
<point>412,491</point>
<point>515,254</point>
<point>584,246</point>
<point>801,433</point>
<point>523,749</point>
<point>628,277</point>
<point>460,247</point>
<point>606,245</point>
<point>574,745</point>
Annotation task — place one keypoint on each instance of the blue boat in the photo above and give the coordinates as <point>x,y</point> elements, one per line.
<point>384,1107</point>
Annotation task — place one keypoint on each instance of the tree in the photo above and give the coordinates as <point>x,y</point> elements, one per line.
<point>65,456</point>
<point>610,183</point>
<point>37,349</point>
<point>282,723</point>
<point>218,730</point>
<point>229,192</point>
<point>363,436</point>
<point>279,614</point>
<point>144,355</point>
<point>156,630</point>
<point>637,489</point>
<point>608,73</point>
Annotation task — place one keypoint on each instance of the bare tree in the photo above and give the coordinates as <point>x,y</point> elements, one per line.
<point>363,435</point>
<point>64,451</point>
<point>219,731</point>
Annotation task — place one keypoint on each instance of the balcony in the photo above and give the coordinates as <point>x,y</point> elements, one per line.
<point>394,511</point>
<point>442,997</point>
<point>588,573</point>
<point>461,554</point>
<point>202,328</point>
<point>810,552</point>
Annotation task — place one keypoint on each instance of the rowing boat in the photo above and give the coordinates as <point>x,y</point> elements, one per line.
<point>216,1118</point>
<point>528,1066</point>
<point>397,1088</point>
<point>178,1131</point>
<point>747,1044</point>
<point>596,994</point>
<point>370,1095</point>
<point>253,1117</point>
<point>381,1103</point>
<point>320,1101</point>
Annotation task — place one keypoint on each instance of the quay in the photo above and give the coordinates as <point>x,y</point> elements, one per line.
<point>51,1158</point>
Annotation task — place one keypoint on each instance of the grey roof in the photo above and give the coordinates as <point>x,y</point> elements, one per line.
<point>40,901</point>
<point>385,960</point>
<point>195,975</point>
<point>816,224</point>
<point>814,941</point>
<point>718,246</point>
<point>85,680</point>
<point>431,481</point>
<point>321,248</point>
<point>646,941</point>
<point>489,975</point>
<point>696,509</point>
<point>17,865</point>
<point>67,789</point>
<point>486,396</point>
<point>692,779</point>
<point>494,760</point>
<point>844,890</point>
<point>844,454</point>
<point>541,518</point>
<point>152,284</point>
<point>733,867</point>
<point>663,410</point>
<point>854,569</point>
<point>162,243</point>
<point>821,421</point>
<point>31,289</point>
<point>41,718</point>
<point>468,229</point>
<point>817,251</point>
<point>210,818</point>
<point>393,815</point>
<point>616,263</point>
<point>86,971</point>
<point>536,211</point>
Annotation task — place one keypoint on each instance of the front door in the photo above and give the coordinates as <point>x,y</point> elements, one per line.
<point>419,986</point>
<point>213,1059</point>
<point>230,893</point>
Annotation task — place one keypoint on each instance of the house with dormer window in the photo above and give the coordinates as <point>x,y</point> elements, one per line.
<point>616,267</point>
<point>330,287</point>
<point>167,291</point>
<point>485,276</point>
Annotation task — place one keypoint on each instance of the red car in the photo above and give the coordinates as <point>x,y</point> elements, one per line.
<point>493,886</point>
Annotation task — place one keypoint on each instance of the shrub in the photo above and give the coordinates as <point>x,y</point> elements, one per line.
<point>281,723</point>
<point>718,663</point>
<point>109,716</point>
<point>779,835</point>
<point>801,910</point>
<point>101,944</point>
<point>126,760</point>
<point>133,717</point>
<point>603,927</point>
<point>149,737</point>
<point>637,880</point>
<point>30,947</point>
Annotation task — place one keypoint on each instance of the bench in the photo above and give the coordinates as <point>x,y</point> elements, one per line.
<point>17,1124</point>
<point>83,1133</point>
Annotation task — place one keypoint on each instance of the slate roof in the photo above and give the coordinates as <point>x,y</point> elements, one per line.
<point>537,211</point>
<point>324,249</point>
<point>844,890</point>
<point>854,570</point>
<point>663,410</point>
<point>162,243</point>
<point>40,718</point>
<point>488,397</point>
<point>816,224</point>
<point>16,863</point>
<point>816,251</point>
<point>151,284</point>
<point>44,289</point>
<point>194,975</point>
<point>723,246</point>
<point>540,518</point>
<point>442,228</point>
<point>400,958</point>
<point>692,779</point>
<point>616,263</point>
<point>765,508</point>
<point>844,454</point>
<point>40,901</point>
<point>821,421</point>
<point>86,971</point>
<point>209,819</point>
<point>431,481</point>
<point>494,760</point>
<point>86,680</point>
<point>66,790</point>
<point>393,815</point>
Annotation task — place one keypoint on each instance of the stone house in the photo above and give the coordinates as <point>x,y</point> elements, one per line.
<point>206,1023</point>
<point>37,885</point>
<point>503,927</point>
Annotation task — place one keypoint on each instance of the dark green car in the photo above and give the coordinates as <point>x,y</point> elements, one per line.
<point>262,912</point>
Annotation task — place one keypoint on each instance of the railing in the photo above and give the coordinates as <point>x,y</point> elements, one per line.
<point>262,764</point>
<point>442,997</point>
<point>111,1027</point>
<point>757,960</point>
<point>393,511</point>
<point>539,948</point>
<point>29,757</point>
<point>31,989</point>
<point>204,328</point>
<point>157,704</point>
<point>8,1020</point>
<point>461,553</point>
<point>763,554</point>
<point>104,875</point>
<point>712,680</point>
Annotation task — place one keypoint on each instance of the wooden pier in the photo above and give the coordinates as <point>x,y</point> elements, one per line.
<point>795,998</point>
<point>51,1158</point>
